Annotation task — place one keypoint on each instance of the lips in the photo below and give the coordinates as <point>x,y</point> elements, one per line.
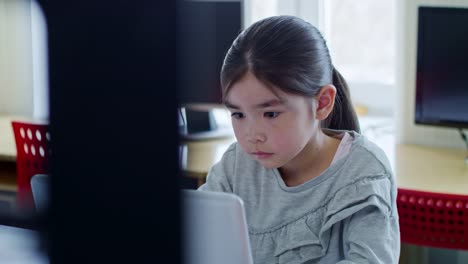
<point>261,155</point>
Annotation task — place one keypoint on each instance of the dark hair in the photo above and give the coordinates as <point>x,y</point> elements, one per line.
<point>291,54</point>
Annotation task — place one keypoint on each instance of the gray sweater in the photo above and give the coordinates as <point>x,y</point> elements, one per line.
<point>347,214</point>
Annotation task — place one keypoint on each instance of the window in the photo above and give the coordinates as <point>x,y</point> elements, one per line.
<point>362,43</point>
<point>361,39</point>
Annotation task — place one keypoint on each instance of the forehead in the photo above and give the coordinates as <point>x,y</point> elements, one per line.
<point>249,93</point>
<point>250,89</point>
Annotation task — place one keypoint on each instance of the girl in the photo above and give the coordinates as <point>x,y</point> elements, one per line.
<point>314,189</point>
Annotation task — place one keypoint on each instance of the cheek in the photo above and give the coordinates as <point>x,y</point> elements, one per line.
<point>293,136</point>
<point>238,132</point>
<point>236,125</point>
<point>286,142</point>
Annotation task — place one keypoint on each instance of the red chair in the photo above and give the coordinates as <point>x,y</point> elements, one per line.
<point>32,147</point>
<point>433,219</point>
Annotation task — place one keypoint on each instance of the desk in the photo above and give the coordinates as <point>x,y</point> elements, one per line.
<point>7,159</point>
<point>197,157</point>
<point>431,169</point>
<point>432,196</point>
<point>7,139</point>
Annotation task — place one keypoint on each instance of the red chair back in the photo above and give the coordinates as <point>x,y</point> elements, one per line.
<point>32,147</point>
<point>433,219</point>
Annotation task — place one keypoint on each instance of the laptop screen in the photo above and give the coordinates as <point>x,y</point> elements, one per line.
<point>215,228</point>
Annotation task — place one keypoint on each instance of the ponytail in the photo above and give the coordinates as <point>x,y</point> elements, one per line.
<point>343,115</point>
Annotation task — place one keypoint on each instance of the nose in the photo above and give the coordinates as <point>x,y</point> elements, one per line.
<point>255,134</point>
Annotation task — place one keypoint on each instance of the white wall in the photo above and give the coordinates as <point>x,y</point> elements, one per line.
<point>407,131</point>
<point>16,95</point>
<point>39,62</point>
<point>378,98</point>
<point>308,10</point>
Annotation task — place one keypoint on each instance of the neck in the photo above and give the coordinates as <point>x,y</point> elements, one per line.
<point>314,158</point>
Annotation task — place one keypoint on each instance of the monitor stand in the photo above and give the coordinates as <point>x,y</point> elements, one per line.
<point>200,124</point>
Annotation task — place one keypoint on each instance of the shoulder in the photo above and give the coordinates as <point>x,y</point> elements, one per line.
<point>372,150</point>
<point>365,179</point>
<point>366,159</point>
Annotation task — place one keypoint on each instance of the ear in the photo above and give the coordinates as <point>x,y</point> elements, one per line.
<point>325,101</point>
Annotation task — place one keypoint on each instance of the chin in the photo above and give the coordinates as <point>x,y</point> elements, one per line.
<point>269,165</point>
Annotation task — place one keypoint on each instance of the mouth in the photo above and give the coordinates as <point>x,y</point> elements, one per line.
<point>261,155</point>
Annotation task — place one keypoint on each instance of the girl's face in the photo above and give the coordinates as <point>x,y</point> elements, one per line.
<point>272,127</point>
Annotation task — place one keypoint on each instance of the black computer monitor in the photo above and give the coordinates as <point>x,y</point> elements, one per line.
<point>206,30</point>
<point>113,119</point>
<point>442,67</point>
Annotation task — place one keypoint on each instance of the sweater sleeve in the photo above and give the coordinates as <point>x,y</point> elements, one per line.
<point>371,236</point>
<point>369,220</point>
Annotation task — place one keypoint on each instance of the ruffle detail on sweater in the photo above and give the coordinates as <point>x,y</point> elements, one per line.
<point>308,237</point>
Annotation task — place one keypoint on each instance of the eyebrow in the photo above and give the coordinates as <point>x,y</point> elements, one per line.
<point>272,102</point>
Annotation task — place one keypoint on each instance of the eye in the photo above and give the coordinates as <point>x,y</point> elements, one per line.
<point>271,114</point>
<point>237,115</point>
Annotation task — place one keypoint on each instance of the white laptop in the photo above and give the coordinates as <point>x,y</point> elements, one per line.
<point>215,229</point>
